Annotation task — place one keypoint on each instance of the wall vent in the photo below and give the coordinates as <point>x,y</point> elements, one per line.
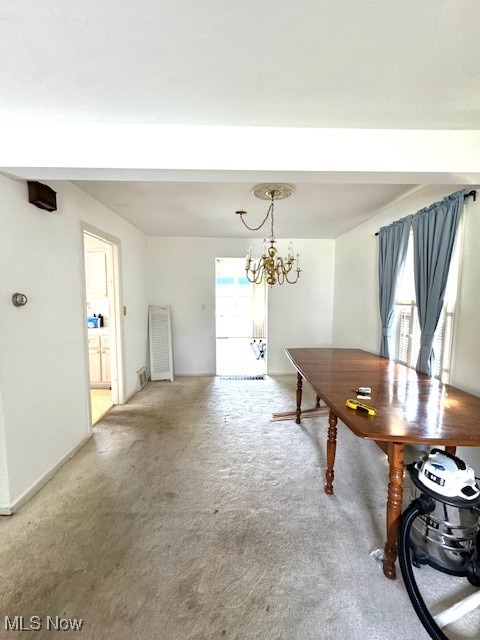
<point>142,378</point>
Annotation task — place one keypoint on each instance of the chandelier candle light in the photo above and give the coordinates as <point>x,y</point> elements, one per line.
<point>272,268</point>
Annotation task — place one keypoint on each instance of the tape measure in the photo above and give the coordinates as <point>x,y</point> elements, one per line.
<point>358,406</point>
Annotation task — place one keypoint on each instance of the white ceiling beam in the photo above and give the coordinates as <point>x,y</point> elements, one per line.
<point>194,150</point>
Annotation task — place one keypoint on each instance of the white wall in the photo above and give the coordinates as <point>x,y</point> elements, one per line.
<point>466,348</point>
<point>182,275</point>
<point>43,364</point>
<point>466,365</point>
<point>356,314</point>
<point>301,315</point>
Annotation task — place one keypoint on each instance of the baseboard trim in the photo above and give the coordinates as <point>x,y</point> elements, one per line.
<point>29,493</point>
<point>133,394</point>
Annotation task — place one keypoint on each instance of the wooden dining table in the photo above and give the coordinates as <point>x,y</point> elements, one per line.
<point>411,408</point>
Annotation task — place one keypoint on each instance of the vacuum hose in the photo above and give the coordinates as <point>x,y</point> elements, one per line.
<point>420,506</point>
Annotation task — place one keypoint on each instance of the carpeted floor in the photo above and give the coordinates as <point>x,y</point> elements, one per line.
<point>190,516</point>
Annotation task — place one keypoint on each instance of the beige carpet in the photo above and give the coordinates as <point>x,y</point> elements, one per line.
<point>190,516</point>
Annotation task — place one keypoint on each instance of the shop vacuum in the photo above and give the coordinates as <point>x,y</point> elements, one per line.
<point>441,528</point>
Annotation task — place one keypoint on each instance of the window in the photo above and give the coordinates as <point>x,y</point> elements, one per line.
<point>406,329</point>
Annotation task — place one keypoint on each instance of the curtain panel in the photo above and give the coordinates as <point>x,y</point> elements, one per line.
<point>393,243</point>
<point>434,232</point>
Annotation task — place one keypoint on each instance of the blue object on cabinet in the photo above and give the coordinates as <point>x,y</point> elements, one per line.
<point>93,322</point>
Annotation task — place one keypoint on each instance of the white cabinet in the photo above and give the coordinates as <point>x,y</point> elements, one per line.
<point>96,273</point>
<point>94,361</point>
<point>99,360</point>
<point>105,358</point>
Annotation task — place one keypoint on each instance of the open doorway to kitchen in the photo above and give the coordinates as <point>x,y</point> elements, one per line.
<point>102,321</point>
<point>241,320</point>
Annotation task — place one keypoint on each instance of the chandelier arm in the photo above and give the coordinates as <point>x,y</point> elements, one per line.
<point>270,209</point>
<point>255,274</point>
<point>251,274</point>
<point>283,265</point>
<point>259,274</point>
<point>293,281</point>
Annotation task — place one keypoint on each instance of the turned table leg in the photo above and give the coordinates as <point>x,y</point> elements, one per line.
<point>394,506</point>
<point>331,449</point>
<point>299,396</point>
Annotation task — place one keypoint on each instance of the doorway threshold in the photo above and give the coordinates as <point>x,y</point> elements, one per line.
<point>262,377</point>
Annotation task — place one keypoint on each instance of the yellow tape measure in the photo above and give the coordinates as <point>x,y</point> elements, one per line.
<point>354,404</point>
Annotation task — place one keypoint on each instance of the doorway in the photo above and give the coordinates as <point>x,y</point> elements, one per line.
<point>102,322</point>
<point>240,320</point>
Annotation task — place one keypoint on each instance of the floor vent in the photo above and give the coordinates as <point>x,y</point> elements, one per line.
<point>142,378</point>
<point>242,377</point>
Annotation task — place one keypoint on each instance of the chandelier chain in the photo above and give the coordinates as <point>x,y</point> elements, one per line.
<point>270,209</point>
<point>271,228</point>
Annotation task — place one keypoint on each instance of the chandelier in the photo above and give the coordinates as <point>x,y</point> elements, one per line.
<point>271,267</point>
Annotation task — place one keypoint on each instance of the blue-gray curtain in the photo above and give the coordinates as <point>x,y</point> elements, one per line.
<point>434,231</point>
<point>393,243</point>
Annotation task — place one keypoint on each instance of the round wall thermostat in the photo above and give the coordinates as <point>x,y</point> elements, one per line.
<point>19,299</point>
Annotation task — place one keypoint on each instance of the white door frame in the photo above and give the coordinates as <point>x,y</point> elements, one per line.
<point>116,319</point>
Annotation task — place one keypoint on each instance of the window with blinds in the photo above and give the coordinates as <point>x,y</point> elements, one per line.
<point>405,342</point>
<point>406,336</point>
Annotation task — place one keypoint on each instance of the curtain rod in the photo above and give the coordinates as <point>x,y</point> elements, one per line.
<point>470,194</point>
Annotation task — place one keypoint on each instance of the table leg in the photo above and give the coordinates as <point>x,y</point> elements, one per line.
<point>452,450</point>
<point>394,506</point>
<point>318,401</point>
<point>331,449</point>
<point>299,396</point>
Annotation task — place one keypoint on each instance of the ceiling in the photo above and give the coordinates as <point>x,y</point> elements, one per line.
<point>208,209</point>
<point>313,63</point>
